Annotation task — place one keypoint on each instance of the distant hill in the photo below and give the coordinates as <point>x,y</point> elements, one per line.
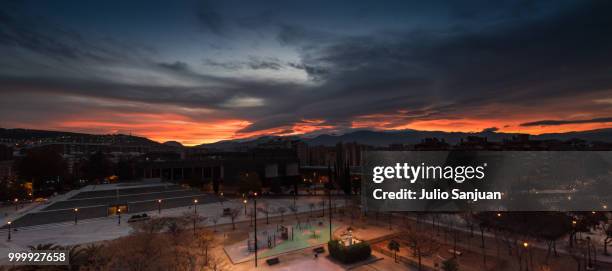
<point>173,144</point>
<point>19,134</point>
<point>385,138</point>
<point>373,138</point>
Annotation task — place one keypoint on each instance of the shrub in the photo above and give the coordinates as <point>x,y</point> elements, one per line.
<point>450,265</point>
<point>349,254</point>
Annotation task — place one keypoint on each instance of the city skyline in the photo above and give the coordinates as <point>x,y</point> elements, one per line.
<point>200,72</point>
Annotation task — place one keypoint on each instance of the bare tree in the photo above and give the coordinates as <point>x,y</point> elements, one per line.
<point>215,219</point>
<point>295,211</point>
<point>322,205</point>
<point>282,211</point>
<point>311,206</point>
<point>421,245</point>
<point>153,225</point>
<point>608,231</point>
<point>265,208</point>
<point>234,213</point>
<point>194,218</point>
<point>203,241</point>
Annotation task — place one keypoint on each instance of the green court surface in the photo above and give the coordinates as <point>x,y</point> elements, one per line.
<point>301,239</point>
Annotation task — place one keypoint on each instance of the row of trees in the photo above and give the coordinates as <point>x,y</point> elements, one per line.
<point>48,172</point>
<point>515,228</point>
<point>157,244</point>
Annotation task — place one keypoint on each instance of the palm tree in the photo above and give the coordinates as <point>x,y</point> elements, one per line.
<point>395,247</point>
<point>450,265</point>
<point>47,246</point>
<point>76,256</point>
<point>93,253</point>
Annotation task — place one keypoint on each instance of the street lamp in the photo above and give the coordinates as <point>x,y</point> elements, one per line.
<point>159,201</point>
<point>245,206</point>
<point>195,214</point>
<point>589,261</point>
<point>9,230</point>
<point>118,215</point>
<point>76,210</point>
<point>530,263</point>
<point>255,220</point>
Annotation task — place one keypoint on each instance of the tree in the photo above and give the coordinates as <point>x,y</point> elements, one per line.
<point>94,256</point>
<point>40,166</point>
<point>215,220</point>
<point>281,210</point>
<point>126,169</point>
<point>294,209</point>
<point>97,167</point>
<point>264,208</point>
<point>47,246</point>
<point>395,247</point>
<point>421,245</point>
<point>608,239</point>
<point>195,218</point>
<point>249,182</point>
<point>311,206</point>
<point>203,241</point>
<point>322,205</point>
<point>76,256</point>
<point>215,184</point>
<point>234,213</point>
<point>450,265</point>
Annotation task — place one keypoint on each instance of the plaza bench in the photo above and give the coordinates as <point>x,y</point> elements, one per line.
<point>273,261</point>
<point>319,250</point>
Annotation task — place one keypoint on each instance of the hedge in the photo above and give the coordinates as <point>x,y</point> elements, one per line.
<point>349,254</point>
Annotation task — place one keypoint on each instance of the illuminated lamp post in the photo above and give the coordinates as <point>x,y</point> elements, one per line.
<point>245,206</point>
<point>118,215</point>
<point>195,215</point>
<point>9,230</point>
<point>159,201</point>
<point>255,220</point>
<point>526,246</point>
<point>76,211</point>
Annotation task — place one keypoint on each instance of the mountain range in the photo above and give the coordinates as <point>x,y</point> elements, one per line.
<point>367,137</point>
<point>385,138</point>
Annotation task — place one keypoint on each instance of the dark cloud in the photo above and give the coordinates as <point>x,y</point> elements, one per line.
<point>564,122</point>
<point>254,63</point>
<point>477,65</point>
<point>176,66</point>
<point>210,19</point>
<point>490,130</point>
<point>520,62</point>
<point>264,64</point>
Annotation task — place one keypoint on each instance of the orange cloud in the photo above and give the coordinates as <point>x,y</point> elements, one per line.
<point>159,127</point>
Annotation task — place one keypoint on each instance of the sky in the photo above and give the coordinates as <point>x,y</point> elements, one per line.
<point>204,71</point>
